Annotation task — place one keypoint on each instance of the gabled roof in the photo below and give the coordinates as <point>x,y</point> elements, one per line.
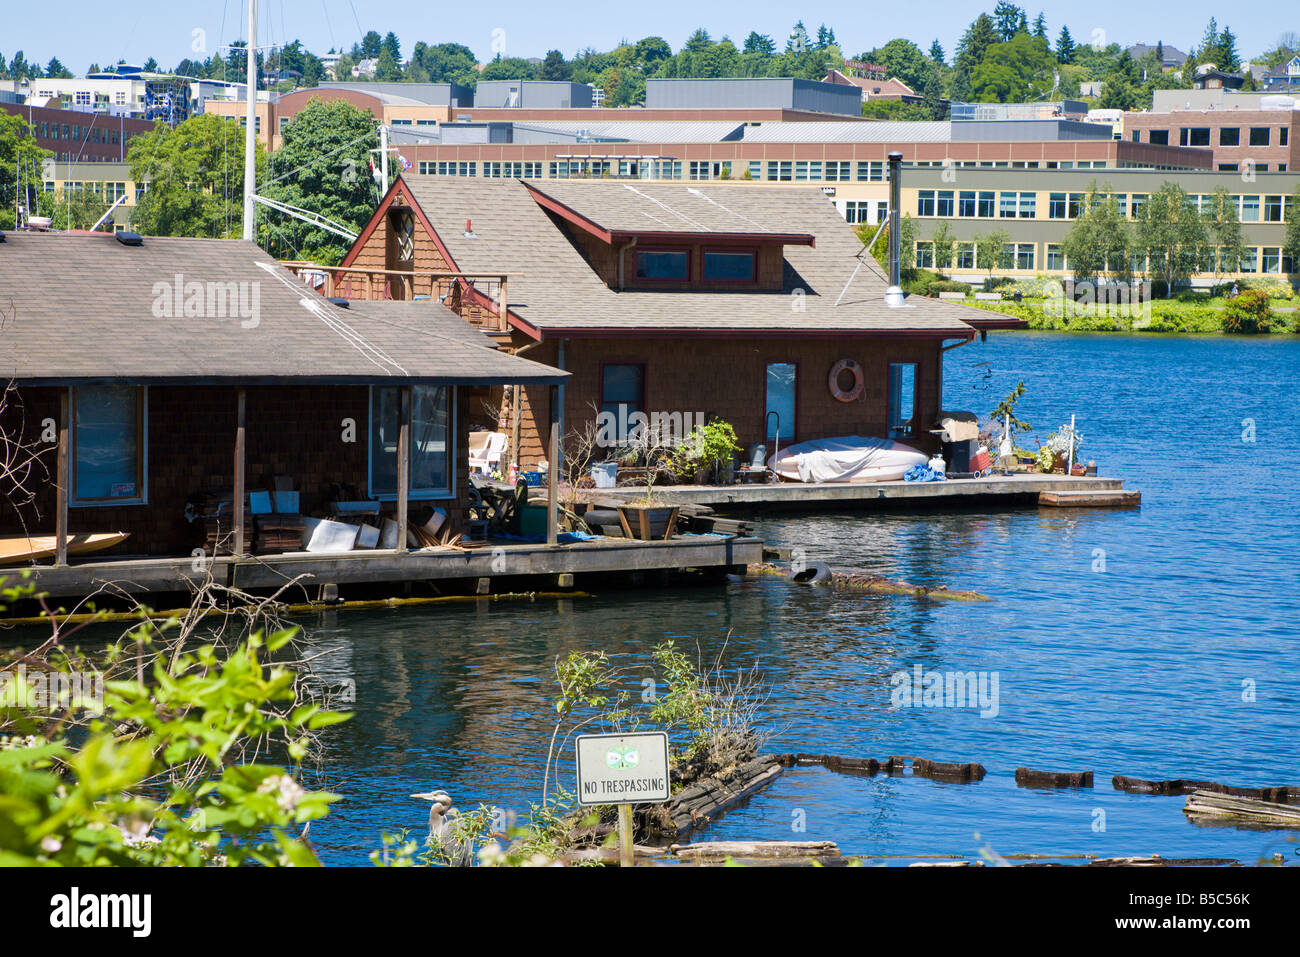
<point>620,211</point>
<point>76,308</point>
<point>554,291</point>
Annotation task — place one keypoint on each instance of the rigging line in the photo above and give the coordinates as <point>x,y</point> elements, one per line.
<point>328,25</point>
<point>313,162</point>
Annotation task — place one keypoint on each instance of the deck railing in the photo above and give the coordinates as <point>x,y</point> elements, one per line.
<point>480,298</point>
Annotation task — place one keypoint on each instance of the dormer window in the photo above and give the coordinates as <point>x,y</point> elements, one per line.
<point>730,265</point>
<point>663,265</point>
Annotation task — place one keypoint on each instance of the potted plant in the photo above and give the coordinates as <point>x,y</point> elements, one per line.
<point>647,518</point>
<point>1061,448</point>
<point>706,453</point>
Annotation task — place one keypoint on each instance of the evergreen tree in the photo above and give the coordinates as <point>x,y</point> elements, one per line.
<point>1007,17</point>
<point>1064,46</point>
<point>393,46</point>
<point>371,44</point>
<point>1040,26</point>
<point>554,67</point>
<point>798,41</point>
<point>936,52</point>
<point>760,43</point>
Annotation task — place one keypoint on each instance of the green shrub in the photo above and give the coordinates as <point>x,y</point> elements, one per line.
<point>1040,287</point>
<point>947,285</point>
<point>1248,313</point>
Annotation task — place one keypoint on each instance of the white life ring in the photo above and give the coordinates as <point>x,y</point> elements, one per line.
<point>844,395</point>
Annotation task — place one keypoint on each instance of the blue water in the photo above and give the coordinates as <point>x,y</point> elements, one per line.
<point>1124,640</point>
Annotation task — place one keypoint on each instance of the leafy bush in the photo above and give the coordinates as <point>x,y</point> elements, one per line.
<point>1040,287</point>
<point>1274,288</point>
<point>947,285</point>
<point>1248,313</point>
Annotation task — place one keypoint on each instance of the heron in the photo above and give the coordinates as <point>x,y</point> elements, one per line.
<point>441,818</point>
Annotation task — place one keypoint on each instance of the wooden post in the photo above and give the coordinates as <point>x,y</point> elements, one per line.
<point>517,414</point>
<point>403,464</point>
<point>240,457</point>
<point>503,314</point>
<point>63,489</point>
<point>626,856</point>
<point>553,472</point>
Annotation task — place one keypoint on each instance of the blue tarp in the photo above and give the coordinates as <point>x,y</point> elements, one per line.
<point>923,473</point>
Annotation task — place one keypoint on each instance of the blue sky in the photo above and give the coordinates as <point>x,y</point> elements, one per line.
<point>81,31</point>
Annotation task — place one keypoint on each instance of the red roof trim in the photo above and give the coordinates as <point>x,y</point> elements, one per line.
<point>565,212</point>
<point>715,333</point>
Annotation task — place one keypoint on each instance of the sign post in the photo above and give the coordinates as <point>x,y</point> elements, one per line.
<point>623,769</point>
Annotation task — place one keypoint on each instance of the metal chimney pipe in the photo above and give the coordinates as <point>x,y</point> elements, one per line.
<point>895,220</point>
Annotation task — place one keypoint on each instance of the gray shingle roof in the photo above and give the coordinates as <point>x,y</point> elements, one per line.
<point>552,287</point>
<point>85,307</point>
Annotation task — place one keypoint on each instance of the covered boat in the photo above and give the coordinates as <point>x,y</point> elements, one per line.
<point>850,458</point>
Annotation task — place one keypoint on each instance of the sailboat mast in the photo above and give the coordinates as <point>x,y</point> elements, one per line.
<point>250,131</point>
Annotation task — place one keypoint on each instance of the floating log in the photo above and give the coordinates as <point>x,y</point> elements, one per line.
<point>719,850</point>
<point>1029,778</point>
<point>1283,794</point>
<point>1155,860</point>
<point>944,770</point>
<point>1116,498</point>
<point>876,585</point>
<point>700,803</point>
<point>835,762</point>
<point>1230,808</point>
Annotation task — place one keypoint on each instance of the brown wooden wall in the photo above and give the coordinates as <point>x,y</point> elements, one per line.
<point>727,378</point>
<point>291,430</point>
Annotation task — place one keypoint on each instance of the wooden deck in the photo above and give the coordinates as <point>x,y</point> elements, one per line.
<point>1020,488</point>
<point>541,563</point>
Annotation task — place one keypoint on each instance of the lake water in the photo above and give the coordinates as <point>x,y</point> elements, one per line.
<point>1155,643</point>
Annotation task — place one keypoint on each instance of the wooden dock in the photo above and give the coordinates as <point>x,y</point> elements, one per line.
<point>538,564</point>
<point>1017,489</point>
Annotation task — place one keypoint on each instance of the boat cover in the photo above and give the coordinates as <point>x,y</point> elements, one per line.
<point>846,459</point>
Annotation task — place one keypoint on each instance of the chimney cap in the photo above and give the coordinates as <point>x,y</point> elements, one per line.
<point>895,155</point>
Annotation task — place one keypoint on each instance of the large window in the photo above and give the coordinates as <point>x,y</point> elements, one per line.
<point>782,384</point>
<point>1194,136</point>
<point>108,445</point>
<point>1007,205</point>
<point>663,265</point>
<point>1055,258</point>
<point>925,202</point>
<point>432,431</point>
<point>1250,209</point>
<point>622,389</point>
<point>1158,137</point>
<point>943,203</point>
<point>1230,136</point>
<point>902,398</point>
<point>729,265</point>
<point>1259,136</point>
<point>965,257</point>
<point>966,203</point>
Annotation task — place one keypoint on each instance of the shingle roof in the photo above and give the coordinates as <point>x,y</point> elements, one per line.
<point>641,207</point>
<point>85,307</point>
<point>552,287</point>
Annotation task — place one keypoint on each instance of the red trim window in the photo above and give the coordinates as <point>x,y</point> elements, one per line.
<point>730,265</point>
<point>663,264</point>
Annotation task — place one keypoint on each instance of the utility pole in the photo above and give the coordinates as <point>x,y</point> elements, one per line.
<point>250,133</point>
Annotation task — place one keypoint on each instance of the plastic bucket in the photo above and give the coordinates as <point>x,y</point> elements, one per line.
<point>605,474</point>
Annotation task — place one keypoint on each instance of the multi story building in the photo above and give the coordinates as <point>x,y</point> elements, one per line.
<point>75,136</point>
<point>1247,132</point>
<point>109,181</point>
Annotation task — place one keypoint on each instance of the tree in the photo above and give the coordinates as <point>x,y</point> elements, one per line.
<point>323,165</point>
<point>1007,18</point>
<point>386,68</point>
<point>196,178</point>
<point>1040,26</point>
<point>936,53</point>
<point>1171,234</point>
<point>1291,246</point>
<point>554,67</point>
<point>371,44</point>
<point>943,240</point>
<point>903,59</point>
<point>72,209</point>
<point>699,41</point>
<point>393,47</point>
<point>21,160</point>
<point>798,41</point>
<point>1020,69</point>
<point>990,251</point>
<point>760,43</point>
<point>509,68</point>
<point>1064,46</point>
<point>55,70</point>
<point>1227,249</point>
<point>1097,244</point>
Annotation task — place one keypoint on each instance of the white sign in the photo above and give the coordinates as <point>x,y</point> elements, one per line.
<point>622,768</point>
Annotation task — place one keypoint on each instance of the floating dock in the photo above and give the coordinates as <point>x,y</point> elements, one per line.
<point>1017,489</point>
<point>475,568</point>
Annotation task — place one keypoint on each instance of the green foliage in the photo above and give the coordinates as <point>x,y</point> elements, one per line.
<point>72,209</point>
<point>991,252</point>
<point>1224,233</point>
<point>704,447</point>
<point>196,178</point>
<point>1171,235</point>
<point>1248,313</point>
<point>322,165</point>
<point>159,776</point>
<point>1005,410</point>
<point>21,162</point>
<point>1097,244</point>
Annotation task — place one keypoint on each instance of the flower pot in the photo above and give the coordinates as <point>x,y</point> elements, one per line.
<point>648,522</point>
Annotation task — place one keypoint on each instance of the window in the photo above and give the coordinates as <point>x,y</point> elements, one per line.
<point>1229,136</point>
<point>663,265</point>
<point>806,170</point>
<point>108,445</point>
<point>1158,137</point>
<point>1007,205</point>
<point>1136,202</point>
<point>925,202</point>
<point>872,171</point>
<point>966,203</point>
<point>432,429</point>
<point>699,169</point>
<point>730,265</point>
<point>902,398</point>
<point>1055,258</point>
<point>1248,261</point>
<point>1024,255</point>
<point>1272,209</point>
<point>925,255</point>
<point>755,169</point>
<point>782,171</point>
<point>1272,259</point>
<point>1194,136</point>
<point>1283,136</point>
<point>857,211</point>
<point>986,204</point>
<point>838,171</point>
<point>1250,209</point>
<point>1259,136</point>
<point>622,389</point>
<point>965,257</point>
<point>882,211</point>
<point>1028,205</point>
<point>782,385</point>
<point>943,203</point>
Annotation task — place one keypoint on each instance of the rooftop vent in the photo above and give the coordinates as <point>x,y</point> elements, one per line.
<point>469,232</point>
<point>129,239</point>
<point>339,301</point>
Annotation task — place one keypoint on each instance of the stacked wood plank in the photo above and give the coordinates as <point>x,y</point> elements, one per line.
<point>1236,809</point>
<point>699,803</point>
<point>216,522</point>
<point>279,533</point>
